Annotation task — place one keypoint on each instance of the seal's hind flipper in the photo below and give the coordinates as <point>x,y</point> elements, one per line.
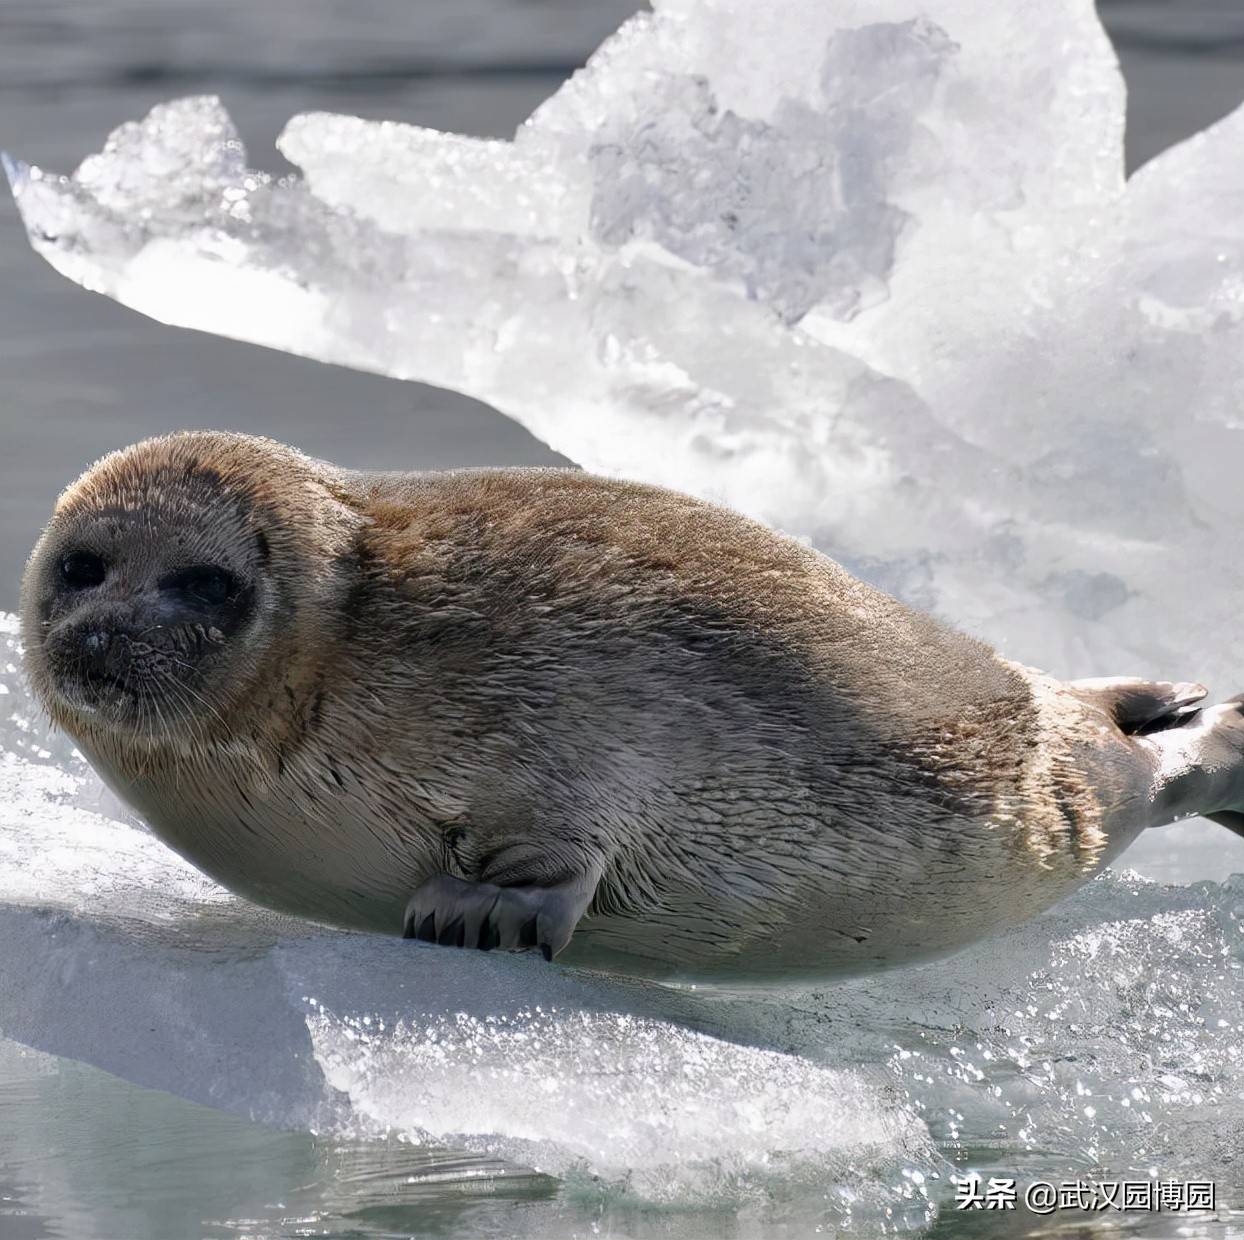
<point>1230,819</point>
<point>457,913</point>
<point>1198,767</point>
<point>1140,706</point>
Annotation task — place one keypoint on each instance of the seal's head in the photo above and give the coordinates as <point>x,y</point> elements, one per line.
<point>173,578</point>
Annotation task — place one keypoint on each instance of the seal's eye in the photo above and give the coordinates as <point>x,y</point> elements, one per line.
<point>204,583</point>
<point>80,570</point>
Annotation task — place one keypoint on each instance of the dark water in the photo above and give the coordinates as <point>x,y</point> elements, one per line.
<point>83,1155</point>
<point>86,1156</point>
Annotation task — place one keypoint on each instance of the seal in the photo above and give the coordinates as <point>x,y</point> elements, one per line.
<point>535,708</point>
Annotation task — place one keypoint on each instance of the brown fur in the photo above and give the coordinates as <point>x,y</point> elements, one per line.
<point>516,673</point>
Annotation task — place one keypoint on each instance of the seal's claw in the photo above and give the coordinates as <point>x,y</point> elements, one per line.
<point>456,913</point>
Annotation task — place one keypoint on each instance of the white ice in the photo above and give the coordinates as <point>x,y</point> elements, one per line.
<point>866,269</point>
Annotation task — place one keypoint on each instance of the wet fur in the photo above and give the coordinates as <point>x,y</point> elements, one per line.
<point>512,675</point>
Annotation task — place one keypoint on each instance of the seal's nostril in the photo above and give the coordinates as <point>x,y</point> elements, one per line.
<point>95,646</point>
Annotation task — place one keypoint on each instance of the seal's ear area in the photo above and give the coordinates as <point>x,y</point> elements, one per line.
<point>1141,706</point>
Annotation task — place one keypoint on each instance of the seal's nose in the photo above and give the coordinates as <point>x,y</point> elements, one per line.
<point>96,647</point>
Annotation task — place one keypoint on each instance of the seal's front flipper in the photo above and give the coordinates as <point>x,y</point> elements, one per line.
<point>1139,706</point>
<point>457,913</point>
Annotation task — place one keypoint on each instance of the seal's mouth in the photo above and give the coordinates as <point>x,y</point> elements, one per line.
<point>98,693</point>
<point>134,676</point>
<point>95,689</point>
<point>94,672</point>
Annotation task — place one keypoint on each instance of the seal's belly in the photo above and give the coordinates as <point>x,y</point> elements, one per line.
<point>364,889</point>
<point>347,876</point>
<point>918,904</point>
<point>918,898</point>
<point>353,876</point>
<point>339,869</point>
